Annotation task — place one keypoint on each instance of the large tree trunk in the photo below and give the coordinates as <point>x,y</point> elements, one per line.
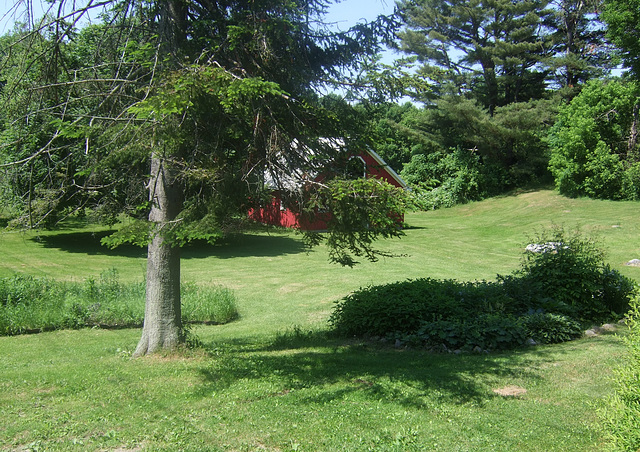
<point>162,317</point>
<point>162,328</point>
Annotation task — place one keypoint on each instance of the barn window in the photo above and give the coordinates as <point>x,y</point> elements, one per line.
<point>356,168</point>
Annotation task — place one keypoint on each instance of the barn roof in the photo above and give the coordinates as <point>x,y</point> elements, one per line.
<point>294,180</point>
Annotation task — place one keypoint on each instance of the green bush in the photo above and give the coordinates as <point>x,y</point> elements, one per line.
<point>548,299</point>
<point>590,151</point>
<point>623,415</point>
<point>29,304</point>
<point>571,272</point>
<point>402,307</point>
<point>443,179</point>
<point>548,328</point>
<point>485,332</point>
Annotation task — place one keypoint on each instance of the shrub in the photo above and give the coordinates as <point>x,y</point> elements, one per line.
<point>623,415</point>
<point>548,328</point>
<point>487,332</point>
<point>403,306</point>
<point>443,179</point>
<point>547,299</point>
<point>590,151</point>
<point>572,272</point>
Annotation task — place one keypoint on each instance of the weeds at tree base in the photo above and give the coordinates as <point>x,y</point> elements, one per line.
<point>32,305</point>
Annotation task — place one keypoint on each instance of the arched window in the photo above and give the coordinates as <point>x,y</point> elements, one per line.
<point>356,168</point>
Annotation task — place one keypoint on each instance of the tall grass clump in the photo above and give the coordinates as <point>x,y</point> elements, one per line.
<point>623,415</point>
<point>30,304</point>
<point>562,285</point>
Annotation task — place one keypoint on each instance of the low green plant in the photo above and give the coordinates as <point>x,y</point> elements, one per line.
<point>622,417</point>
<point>211,304</point>
<point>403,306</point>
<point>484,332</point>
<point>549,328</point>
<point>560,285</point>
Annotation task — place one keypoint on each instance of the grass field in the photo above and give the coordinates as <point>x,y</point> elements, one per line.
<point>273,381</point>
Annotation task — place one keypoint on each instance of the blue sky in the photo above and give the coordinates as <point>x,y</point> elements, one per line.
<point>349,12</point>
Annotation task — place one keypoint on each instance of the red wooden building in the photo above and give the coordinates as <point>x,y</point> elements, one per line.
<point>277,213</point>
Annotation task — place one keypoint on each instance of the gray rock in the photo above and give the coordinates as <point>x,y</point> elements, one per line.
<point>591,332</point>
<point>552,247</point>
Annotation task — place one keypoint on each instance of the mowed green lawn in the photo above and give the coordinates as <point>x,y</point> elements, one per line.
<point>273,381</point>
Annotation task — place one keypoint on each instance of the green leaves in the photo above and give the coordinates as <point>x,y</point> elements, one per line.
<point>362,210</point>
<point>199,85</point>
<point>593,143</point>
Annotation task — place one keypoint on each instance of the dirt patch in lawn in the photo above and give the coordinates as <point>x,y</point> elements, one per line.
<point>510,391</point>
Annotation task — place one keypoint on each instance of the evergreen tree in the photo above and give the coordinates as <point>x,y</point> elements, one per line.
<point>208,97</point>
<point>490,50</point>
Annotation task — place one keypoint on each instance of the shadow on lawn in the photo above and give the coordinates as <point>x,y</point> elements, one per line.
<point>412,378</point>
<point>240,245</point>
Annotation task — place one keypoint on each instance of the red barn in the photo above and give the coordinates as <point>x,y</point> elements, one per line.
<point>277,213</point>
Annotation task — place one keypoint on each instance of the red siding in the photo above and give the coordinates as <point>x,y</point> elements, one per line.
<point>274,214</point>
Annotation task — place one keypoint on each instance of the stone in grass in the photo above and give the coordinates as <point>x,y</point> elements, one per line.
<point>552,247</point>
<point>591,332</point>
<point>597,330</point>
<point>510,391</point>
<point>633,263</point>
<point>608,327</point>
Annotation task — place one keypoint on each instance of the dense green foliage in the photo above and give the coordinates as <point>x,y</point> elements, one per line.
<point>594,143</point>
<point>502,52</point>
<point>446,179</point>
<point>456,149</point>
<point>572,273</point>
<point>29,304</point>
<point>362,210</point>
<point>623,415</point>
<point>623,28</point>
<point>557,289</point>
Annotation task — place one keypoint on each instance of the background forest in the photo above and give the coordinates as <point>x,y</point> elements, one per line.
<point>503,95</point>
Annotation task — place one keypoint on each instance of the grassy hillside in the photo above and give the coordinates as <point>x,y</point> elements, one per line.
<point>279,284</point>
<point>273,381</point>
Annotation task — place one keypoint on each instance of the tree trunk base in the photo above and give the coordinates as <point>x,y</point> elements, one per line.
<point>156,341</point>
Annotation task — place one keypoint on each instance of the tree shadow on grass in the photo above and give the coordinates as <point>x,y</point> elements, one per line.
<point>245,245</point>
<point>239,245</point>
<point>87,243</point>
<point>411,378</point>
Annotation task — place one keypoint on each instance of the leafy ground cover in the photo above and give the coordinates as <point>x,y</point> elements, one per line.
<point>562,288</point>
<point>272,380</point>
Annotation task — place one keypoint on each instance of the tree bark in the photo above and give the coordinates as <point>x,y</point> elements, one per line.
<point>162,328</point>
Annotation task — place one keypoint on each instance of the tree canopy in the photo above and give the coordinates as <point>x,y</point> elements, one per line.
<point>192,101</point>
